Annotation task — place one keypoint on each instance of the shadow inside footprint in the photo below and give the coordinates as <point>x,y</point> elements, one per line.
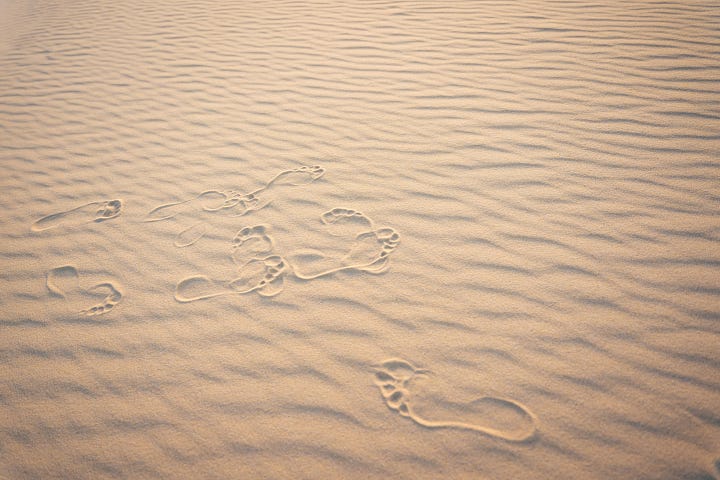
<point>90,212</point>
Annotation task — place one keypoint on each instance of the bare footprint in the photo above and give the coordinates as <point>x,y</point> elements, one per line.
<point>64,282</point>
<point>393,378</point>
<point>264,276</point>
<point>297,176</point>
<point>191,235</point>
<point>231,202</point>
<point>343,222</point>
<point>251,243</point>
<point>370,252</point>
<point>90,212</point>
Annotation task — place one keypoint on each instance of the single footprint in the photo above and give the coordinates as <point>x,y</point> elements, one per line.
<point>342,222</point>
<point>90,212</point>
<point>64,282</point>
<point>191,235</point>
<point>263,275</point>
<point>297,176</point>
<point>393,378</point>
<point>251,243</point>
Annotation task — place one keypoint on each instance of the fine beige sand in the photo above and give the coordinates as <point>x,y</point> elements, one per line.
<point>359,240</point>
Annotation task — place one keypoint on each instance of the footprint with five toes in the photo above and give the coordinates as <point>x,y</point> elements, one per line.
<point>394,378</point>
<point>64,282</point>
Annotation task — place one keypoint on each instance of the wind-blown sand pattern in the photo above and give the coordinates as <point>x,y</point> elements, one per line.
<point>551,167</point>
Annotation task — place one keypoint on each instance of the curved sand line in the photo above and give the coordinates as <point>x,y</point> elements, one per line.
<point>90,212</point>
<point>392,377</point>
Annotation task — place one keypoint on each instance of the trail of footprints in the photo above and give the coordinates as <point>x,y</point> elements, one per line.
<point>262,270</point>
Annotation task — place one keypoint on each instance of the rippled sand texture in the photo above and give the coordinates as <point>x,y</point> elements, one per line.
<point>552,310</point>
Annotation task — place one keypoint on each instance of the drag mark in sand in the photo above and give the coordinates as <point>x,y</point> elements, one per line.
<point>90,212</point>
<point>393,377</point>
<point>64,282</point>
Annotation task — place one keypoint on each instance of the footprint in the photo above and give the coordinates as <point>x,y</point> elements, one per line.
<point>191,235</point>
<point>393,378</point>
<point>90,212</point>
<point>264,276</point>
<point>231,202</point>
<point>64,282</point>
<point>297,176</point>
<point>250,243</point>
<point>342,222</point>
<point>370,253</point>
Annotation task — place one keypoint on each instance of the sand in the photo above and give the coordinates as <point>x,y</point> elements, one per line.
<point>313,240</point>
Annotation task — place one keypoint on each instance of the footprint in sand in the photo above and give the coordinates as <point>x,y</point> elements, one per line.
<point>262,270</point>
<point>369,252</point>
<point>64,282</point>
<point>232,202</point>
<point>394,376</point>
<point>250,243</point>
<point>262,275</point>
<point>90,212</point>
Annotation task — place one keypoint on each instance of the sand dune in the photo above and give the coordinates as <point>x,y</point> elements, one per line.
<point>541,176</point>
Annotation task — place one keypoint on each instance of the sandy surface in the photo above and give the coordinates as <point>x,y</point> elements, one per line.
<point>415,240</point>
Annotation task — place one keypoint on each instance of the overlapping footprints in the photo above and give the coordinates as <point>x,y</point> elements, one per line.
<point>90,212</point>
<point>261,269</point>
<point>232,202</point>
<point>258,270</point>
<point>394,377</point>
<point>369,250</point>
<point>98,299</point>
